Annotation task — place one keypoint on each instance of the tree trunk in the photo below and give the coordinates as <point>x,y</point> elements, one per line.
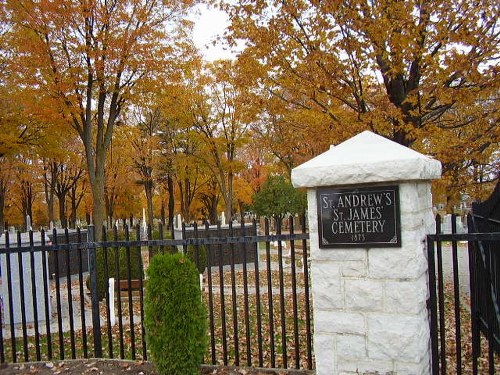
<point>62,210</point>
<point>228,197</point>
<point>171,201</point>
<point>75,200</point>
<point>186,200</point>
<point>2,206</point>
<point>27,202</point>
<point>72,218</point>
<point>241,207</point>
<point>148,188</point>
<point>108,200</point>
<point>162,212</point>
<point>212,213</point>
<point>98,205</point>
<point>49,194</point>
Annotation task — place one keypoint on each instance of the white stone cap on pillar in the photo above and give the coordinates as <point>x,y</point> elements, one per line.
<point>365,158</point>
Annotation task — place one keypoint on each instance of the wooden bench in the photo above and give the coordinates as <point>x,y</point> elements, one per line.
<point>123,285</point>
<point>123,288</point>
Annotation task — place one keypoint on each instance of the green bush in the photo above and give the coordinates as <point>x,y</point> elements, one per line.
<point>174,315</point>
<point>155,235</point>
<point>136,270</point>
<point>201,262</point>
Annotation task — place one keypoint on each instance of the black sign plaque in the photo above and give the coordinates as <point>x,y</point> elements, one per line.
<point>359,217</point>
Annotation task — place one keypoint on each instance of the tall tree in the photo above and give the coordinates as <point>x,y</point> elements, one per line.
<point>76,195</point>
<point>188,176</point>
<point>63,167</point>
<point>26,177</point>
<point>67,177</point>
<point>279,198</point>
<point>210,197</point>
<point>88,56</point>
<point>16,131</point>
<point>121,179</point>
<point>145,143</point>
<point>410,70</point>
<point>221,121</point>
<point>6,174</point>
<point>49,179</point>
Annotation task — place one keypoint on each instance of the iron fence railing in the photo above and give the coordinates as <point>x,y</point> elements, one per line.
<point>256,286</point>
<point>462,300</point>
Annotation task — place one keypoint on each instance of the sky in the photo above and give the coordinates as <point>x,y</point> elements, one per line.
<point>209,24</point>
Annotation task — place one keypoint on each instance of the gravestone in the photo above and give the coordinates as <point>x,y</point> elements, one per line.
<point>21,266</point>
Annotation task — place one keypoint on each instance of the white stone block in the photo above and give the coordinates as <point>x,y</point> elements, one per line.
<point>403,368</point>
<point>424,191</point>
<point>326,285</point>
<point>409,200</point>
<point>313,239</point>
<point>327,321</point>
<point>354,268</point>
<point>412,221</point>
<point>389,263</point>
<point>413,238</point>
<point>359,367</point>
<point>312,214</point>
<point>349,254</point>
<point>416,194</point>
<point>342,255</point>
<point>324,347</point>
<point>351,347</point>
<point>364,295</point>
<point>406,296</point>
<point>405,338</point>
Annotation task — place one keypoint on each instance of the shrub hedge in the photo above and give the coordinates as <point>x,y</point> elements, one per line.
<point>174,315</point>
<point>201,262</point>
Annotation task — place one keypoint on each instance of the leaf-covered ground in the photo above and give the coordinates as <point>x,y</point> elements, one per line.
<point>114,367</point>
<point>462,349</point>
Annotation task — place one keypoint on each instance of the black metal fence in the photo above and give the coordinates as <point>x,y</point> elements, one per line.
<point>258,297</point>
<point>463,301</point>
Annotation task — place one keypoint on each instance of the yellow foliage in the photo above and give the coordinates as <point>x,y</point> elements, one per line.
<point>423,74</point>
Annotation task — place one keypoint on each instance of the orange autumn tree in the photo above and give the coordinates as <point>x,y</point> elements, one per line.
<point>221,124</point>
<point>154,118</point>
<point>122,192</point>
<point>87,56</point>
<point>144,140</point>
<point>15,132</point>
<point>423,74</point>
<point>63,167</point>
<point>6,182</point>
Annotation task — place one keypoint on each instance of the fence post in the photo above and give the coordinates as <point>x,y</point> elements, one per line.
<point>96,318</point>
<point>370,209</point>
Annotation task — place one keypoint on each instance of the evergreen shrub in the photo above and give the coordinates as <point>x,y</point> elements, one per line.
<point>201,262</point>
<point>174,315</point>
<point>155,235</point>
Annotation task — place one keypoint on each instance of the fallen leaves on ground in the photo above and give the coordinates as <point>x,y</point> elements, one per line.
<point>114,367</point>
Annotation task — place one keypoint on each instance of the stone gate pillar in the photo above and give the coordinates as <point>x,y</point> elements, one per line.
<point>369,210</point>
